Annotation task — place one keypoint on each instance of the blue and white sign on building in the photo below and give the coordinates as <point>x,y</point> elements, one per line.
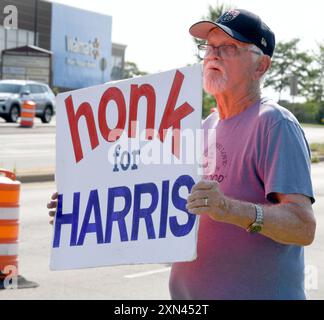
<point>81,43</point>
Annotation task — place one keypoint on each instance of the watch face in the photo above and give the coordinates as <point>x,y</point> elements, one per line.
<point>256,228</point>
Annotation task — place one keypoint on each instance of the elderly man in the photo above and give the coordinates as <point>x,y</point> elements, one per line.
<point>256,218</point>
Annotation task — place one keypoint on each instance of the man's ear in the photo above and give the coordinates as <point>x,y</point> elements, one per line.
<point>263,65</point>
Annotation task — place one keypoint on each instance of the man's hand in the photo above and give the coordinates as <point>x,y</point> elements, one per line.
<point>206,198</point>
<point>290,221</point>
<point>52,205</point>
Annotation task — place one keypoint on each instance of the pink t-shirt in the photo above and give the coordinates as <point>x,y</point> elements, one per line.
<point>258,152</point>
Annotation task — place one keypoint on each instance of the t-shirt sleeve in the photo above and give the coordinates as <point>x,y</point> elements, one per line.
<point>287,161</point>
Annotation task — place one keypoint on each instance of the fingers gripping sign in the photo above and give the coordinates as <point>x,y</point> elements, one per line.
<point>207,198</point>
<point>52,205</point>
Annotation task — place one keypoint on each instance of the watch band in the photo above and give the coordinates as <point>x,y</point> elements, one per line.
<point>256,226</point>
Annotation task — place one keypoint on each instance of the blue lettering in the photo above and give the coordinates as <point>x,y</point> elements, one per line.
<point>139,213</point>
<point>116,154</point>
<point>66,218</point>
<point>164,208</point>
<point>134,153</point>
<point>118,216</point>
<point>144,213</point>
<point>122,158</point>
<point>180,203</point>
<point>92,205</point>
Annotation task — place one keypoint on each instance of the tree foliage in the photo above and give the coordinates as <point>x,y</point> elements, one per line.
<point>288,60</point>
<point>315,86</point>
<point>309,69</point>
<point>212,15</point>
<point>131,70</point>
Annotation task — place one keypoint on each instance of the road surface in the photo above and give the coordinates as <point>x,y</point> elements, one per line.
<point>121,282</point>
<point>27,149</point>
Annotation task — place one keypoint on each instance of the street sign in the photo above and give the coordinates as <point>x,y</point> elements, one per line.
<point>293,85</point>
<point>103,64</point>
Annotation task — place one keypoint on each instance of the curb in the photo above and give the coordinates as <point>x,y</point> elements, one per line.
<point>28,178</point>
<point>50,176</point>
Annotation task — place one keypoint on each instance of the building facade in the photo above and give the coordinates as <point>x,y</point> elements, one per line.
<point>79,40</point>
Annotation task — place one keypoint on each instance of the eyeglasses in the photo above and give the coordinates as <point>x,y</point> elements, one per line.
<point>225,51</point>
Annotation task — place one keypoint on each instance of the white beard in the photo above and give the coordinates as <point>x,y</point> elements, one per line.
<point>214,82</point>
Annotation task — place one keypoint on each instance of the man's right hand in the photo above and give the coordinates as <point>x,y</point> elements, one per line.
<point>52,205</point>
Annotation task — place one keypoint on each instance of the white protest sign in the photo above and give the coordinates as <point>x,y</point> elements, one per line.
<point>125,163</point>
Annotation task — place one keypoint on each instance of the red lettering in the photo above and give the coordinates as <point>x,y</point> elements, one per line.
<point>171,117</point>
<point>115,94</point>
<point>148,92</point>
<point>86,111</point>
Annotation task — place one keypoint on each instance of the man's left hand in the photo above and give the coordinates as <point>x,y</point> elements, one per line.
<point>206,198</point>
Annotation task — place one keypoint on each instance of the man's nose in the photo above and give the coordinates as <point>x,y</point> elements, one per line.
<point>213,55</point>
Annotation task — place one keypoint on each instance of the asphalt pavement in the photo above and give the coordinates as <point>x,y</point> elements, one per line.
<point>113,283</point>
<point>118,282</point>
<point>127,282</point>
<point>30,152</point>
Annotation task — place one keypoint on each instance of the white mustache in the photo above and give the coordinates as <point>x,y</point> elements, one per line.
<point>211,64</point>
<point>214,82</point>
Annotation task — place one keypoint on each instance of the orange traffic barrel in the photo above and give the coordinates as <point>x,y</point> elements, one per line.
<point>9,223</point>
<point>27,114</point>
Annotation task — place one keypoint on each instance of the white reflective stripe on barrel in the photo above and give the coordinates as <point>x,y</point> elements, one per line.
<point>28,111</point>
<point>26,119</point>
<point>10,249</point>
<point>9,213</point>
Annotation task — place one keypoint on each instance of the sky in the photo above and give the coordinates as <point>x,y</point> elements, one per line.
<point>156,31</point>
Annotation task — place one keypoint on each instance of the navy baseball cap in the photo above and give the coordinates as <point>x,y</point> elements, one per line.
<point>241,25</point>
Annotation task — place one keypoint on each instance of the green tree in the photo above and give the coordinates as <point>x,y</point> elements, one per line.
<point>315,86</point>
<point>212,15</point>
<point>214,12</point>
<point>131,70</point>
<point>319,57</point>
<point>288,60</point>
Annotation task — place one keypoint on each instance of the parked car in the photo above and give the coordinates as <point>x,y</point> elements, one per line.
<point>14,92</point>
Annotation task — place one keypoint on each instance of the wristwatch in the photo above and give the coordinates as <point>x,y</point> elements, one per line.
<point>256,226</point>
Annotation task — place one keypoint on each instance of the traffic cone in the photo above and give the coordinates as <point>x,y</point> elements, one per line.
<point>9,230</point>
<point>27,114</point>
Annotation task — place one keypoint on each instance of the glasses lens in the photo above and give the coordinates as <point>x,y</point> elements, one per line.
<point>227,51</point>
<point>202,49</point>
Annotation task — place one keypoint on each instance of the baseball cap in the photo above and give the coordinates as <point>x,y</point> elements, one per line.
<point>241,25</point>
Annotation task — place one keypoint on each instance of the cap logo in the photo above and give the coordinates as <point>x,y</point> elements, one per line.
<point>264,42</point>
<point>229,16</point>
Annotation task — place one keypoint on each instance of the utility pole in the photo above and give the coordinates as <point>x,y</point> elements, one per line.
<point>293,86</point>
<point>35,22</point>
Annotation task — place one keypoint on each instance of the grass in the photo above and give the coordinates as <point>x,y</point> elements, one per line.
<point>317,151</point>
<point>312,125</point>
<point>318,147</point>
